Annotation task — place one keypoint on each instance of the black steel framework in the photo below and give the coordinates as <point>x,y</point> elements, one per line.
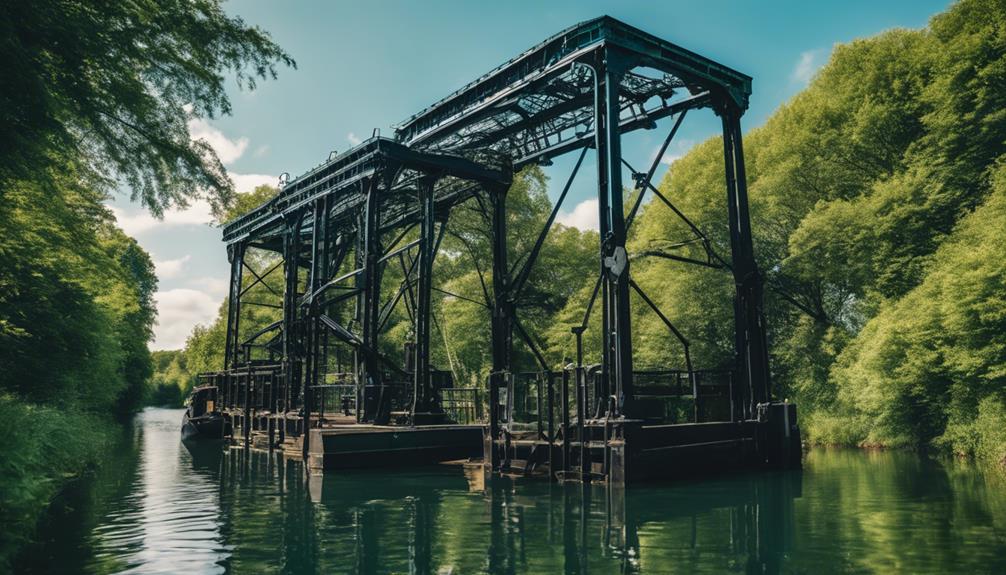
<point>339,227</point>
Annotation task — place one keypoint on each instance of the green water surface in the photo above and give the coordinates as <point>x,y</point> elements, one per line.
<point>160,507</point>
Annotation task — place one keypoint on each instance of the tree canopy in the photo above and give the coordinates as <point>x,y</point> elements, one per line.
<point>111,87</point>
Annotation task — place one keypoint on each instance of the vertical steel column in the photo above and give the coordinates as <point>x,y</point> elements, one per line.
<point>329,268</point>
<point>237,256</point>
<point>368,304</point>
<point>750,341</point>
<point>422,401</point>
<point>320,275</point>
<point>502,320</point>
<point>291,329</point>
<point>614,262</point>
<point>360,284</point>
<point>604,212</point>
<point>319,258</point>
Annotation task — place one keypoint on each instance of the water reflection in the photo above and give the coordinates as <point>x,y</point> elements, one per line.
<point>739,525</point>
<point>159,506</point>
<point>441,520</point>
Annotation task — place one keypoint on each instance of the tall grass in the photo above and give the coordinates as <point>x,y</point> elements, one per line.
<point>41,448</point>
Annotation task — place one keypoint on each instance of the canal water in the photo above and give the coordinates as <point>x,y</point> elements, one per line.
<point>159,507</point>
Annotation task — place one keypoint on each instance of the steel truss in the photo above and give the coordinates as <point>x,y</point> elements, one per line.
<point>339,226</point>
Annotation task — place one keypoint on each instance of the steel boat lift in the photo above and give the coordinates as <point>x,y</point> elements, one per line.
<point>317,379</point>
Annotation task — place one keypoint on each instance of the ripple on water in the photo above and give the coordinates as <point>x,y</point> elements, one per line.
<point>170,523</point>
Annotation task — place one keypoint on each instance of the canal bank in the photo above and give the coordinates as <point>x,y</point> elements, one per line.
<point>45,452</point>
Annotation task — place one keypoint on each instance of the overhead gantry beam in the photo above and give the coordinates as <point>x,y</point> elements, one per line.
<point>501,88</point>
<point>340,176</point>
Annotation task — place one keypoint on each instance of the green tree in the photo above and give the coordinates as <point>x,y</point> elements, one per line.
<point>565,261</point>
<point>864,189</point>
<point>932,364</point>
<point>114,84</point>
<point>94,95</point>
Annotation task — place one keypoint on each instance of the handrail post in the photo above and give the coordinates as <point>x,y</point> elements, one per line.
<point>565,419</point>
<point>246,423</point>
<point>581,399</point>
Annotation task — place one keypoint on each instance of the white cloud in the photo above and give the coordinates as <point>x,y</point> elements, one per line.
<point>584,216</point>
<point>227,150</point>
<point>212,285</point>
<point>807,65</point>
<point>676,151</point>
<point>669,159</point>
<point>353,139</point>
<point>248,182</point>
<point>178,311</point>
<point>198,213</point>
<point>261,151</point>
<point>168,269</point>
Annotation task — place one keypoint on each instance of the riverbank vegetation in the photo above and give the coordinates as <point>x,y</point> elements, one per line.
<point>878,199</point>
<point>76,312</point>
<point>877,203</point>
<point>95,100</point>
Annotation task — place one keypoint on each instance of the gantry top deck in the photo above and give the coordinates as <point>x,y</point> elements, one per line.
<point>530,101</point>
<point>532,108</point>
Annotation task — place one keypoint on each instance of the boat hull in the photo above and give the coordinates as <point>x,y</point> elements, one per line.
<point>209,426</point>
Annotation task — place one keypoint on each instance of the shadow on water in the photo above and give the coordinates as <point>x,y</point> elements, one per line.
<point>161,506</point>
<point>63,542</point>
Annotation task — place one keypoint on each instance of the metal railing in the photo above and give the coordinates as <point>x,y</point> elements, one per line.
<point>330,398</point>
<point>463,404</point>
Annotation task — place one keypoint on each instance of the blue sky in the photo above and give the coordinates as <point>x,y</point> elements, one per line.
<point>372,64</point>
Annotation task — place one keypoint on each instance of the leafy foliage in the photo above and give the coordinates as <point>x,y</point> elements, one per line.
<point>76,301</point>
<point>171,381</point>
<point>927,365</point>
<point>115,85</point>
<point>76,313</point>
<point>49,444</point>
